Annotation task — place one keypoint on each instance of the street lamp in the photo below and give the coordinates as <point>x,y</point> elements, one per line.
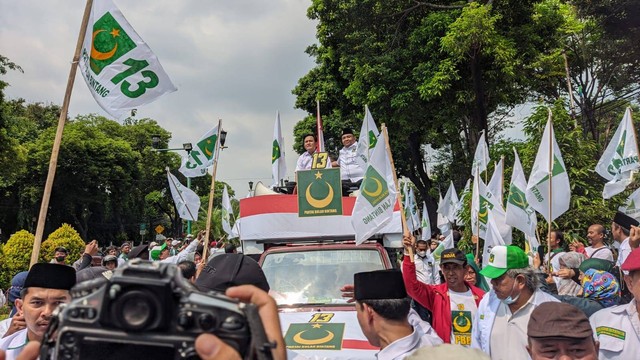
<point>155,141</point>
<point>223,138</point>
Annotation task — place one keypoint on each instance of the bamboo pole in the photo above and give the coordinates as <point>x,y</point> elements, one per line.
<point>405,230</point>
<point>572,104</point>
<point>53,162</point>
<point>478,215</point>
<point>550,120</point>
<point>211,195</point>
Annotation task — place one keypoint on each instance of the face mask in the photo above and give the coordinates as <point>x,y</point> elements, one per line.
<point>60,258</point>
<point>422,253</point>
<point>510,299</point>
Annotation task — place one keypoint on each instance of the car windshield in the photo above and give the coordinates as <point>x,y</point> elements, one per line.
<point>316,276</point>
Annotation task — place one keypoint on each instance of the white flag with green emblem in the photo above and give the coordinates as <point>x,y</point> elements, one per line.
<point>493,238</point>
<point>481,156</point>
<point>426,223</point>
<point>374,205</point>
<point>186,200</point>
<point>278,164</point>
<point>537,192</point>
<point>519,214</point>
<point>367,140</point>
<point>196,162</point>
<point>441,220</point>
<point>121,71</point>
<point>620,159</point>
<point>411,209</point>
<point>483,202</point>
<point>449,204</point>
<point>495,185</point>
<point>631,206</point>
<point>227,210</point>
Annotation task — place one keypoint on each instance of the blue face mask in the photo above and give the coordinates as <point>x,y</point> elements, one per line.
<point>510,299</point>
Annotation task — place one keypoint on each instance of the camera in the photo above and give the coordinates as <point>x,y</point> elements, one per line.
<point>147,310</point>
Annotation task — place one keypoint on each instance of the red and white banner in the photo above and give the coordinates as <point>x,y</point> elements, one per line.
<point>276,217</point>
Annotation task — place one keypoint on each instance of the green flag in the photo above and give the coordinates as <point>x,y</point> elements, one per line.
<point>319,192</point>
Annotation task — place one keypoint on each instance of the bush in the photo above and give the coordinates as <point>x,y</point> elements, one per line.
<point>67,237</point>
<point>16,255</point>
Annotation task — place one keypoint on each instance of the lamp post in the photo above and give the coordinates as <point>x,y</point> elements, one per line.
<point>155,141</point>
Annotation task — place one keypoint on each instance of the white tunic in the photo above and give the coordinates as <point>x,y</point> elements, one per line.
<point>623,251</point>
<point>425,269</point>
<point>599,253</point>
<point>14,344</point>
<point>304,161</point>
<point>405,346</point>
<point>349,168</point>
<point>618,330</point>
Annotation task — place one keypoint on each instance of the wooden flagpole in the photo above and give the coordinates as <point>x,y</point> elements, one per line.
<point>478,215</point>
<point>211,195</point>
<point>53,162</point>
<point>405,230</point>
<point>550,121</point>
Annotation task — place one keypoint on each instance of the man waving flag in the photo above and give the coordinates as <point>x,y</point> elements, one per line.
<point>620,159</point>
<point>120,70</point>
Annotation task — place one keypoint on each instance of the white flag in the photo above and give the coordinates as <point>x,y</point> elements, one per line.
<point>631,206</point>
<point>447,243</point>
<point>186,200</point>
<point>196,162</point>
<point>538,186</point>
<point>620,158</point>
<point>121,71</point>
<point>426,223</point>
<point>227,210</point>
<point>481,156</point>
<point>484,203</point>
<point>410,208</point>
<point>442,222</point>
<point>449,204</point>
<point>492,239</point>
<point>519,214</point>
<point>278,164</point>
<point>415,213</point>
<point>374,205</point>
<point>496,183</point>
<point>367,140</point>
<point>460,205</point>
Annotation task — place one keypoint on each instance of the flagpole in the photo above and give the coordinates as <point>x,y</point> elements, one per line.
<point>502,182</point>
<point>633,130</point>
<point>478,214</point>
<point>405,230</point>
<point>180,194</point>
<point>53,162</point>
<point>211,195</point>
<point>550,120</point>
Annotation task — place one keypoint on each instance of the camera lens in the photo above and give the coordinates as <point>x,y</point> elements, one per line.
<point>136,310</point>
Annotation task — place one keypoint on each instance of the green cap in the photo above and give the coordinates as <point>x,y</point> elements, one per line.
<point>503,258</point>
<point>597,264</point>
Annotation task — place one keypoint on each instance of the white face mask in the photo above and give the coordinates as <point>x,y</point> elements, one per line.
<point>510,299</point>
<point>422,253</point>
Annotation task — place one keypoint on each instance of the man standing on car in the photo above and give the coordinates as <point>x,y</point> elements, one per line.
<point>46,287</point>
<point>382,307</point>
<point>454,303</point>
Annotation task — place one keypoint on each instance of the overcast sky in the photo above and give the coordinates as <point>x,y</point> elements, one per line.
<point>235,60</point>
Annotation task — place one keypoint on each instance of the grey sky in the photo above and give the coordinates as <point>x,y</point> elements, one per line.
<point>234,60</point>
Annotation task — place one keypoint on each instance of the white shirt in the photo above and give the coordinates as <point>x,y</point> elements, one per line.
<point>4,326</point>
<point>602,253</point>
<point>182,255</point>
<point>425,269</point>
<point>623,252</point>
<point>14,344</point>
<point>463,311</point>
<point>405,346</point>
<point>304,161</point>
<point>618,330</point>
<point>349,168</point>
<point>509,335</point>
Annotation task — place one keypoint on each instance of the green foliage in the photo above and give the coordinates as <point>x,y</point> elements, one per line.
<point>17,254</point>
<point>67,237</point>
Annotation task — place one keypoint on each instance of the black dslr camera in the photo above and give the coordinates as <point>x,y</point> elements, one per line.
<point>147,310</point>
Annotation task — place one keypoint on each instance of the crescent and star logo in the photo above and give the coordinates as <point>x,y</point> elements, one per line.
<point>275,153</point>
<point>374,187</point>
<point>300,340</point>
<point>208,146</point>
<point>319,203</point>
<point>109,42</point>
<point>316,334</point>
<point>461,323</point>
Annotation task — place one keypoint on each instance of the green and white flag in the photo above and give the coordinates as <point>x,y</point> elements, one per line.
<point>483,203</point>
<point>196,162</point>
<point>367,140</point>
<point>460,205</point>
<point>519,214</point>
<point>121,71</point>
<point>441,220</point>
<point>374,205</point>
<point>537,192</point>
<point>426,223</point>
<point>620,159</point>
<point>411,209</point>
<point>449,204</point>
<point>227,210</point>
<point>186,200</point>
<point>481,156</point>
<point>493,238</point>
<point>278,164</point>
<point>631,206</point>
<point>495,185</point>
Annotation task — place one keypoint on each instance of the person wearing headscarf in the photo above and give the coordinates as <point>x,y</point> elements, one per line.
<point>473,277</point>
<point>600,290</point>
<point>569,260</point>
